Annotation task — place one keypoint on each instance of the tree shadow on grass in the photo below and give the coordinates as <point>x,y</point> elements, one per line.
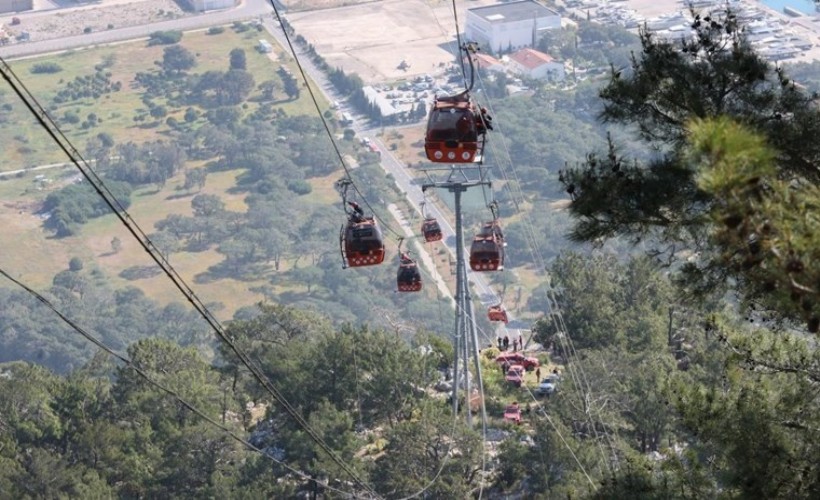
<point>140,272</point>
<point>142,194</point>
<point>290,296</point>
<point>224,270</point>
<point>178,196</point>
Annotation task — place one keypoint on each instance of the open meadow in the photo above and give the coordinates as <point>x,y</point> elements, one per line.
<point>24,144</point>
<point>36,256</point>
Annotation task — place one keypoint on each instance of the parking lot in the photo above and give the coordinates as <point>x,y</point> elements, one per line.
<point>373,39</point>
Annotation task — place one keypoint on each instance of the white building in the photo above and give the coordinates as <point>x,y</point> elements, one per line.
<point>534,64</point>
<point>203,5</point>
<point>16,5</point>
<point>509,26</point>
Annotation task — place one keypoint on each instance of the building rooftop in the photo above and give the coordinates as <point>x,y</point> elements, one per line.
<point>530,58</point>
<point>486,61</point>
<point>513,11</point>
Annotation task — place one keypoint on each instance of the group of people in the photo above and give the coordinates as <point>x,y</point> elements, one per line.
<point>504,343</point>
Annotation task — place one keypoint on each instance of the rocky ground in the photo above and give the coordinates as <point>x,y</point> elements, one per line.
<point>102,16</point>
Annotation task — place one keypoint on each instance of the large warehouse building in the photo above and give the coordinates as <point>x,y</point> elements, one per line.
<point>509,26</point>
<point>16,5</point>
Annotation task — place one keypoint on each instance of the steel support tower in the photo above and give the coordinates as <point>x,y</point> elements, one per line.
<point>465,338</point>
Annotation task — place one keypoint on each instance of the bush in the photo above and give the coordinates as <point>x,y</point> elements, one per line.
<point>216,30</point>
<point>71,117</point>
<point>46,67</point>
<point>299,186</point>
<point>75,264</point>
<point>165,37</point>
<point>191,115</point>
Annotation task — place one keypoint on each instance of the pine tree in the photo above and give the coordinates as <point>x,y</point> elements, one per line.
<point>656,199</point>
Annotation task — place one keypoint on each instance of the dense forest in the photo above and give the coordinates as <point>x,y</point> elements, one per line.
<point>681,313</point>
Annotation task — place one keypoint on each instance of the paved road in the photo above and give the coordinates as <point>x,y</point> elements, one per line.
<point>248,9</point>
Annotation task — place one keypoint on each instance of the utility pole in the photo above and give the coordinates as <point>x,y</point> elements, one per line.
<point>465,338</point>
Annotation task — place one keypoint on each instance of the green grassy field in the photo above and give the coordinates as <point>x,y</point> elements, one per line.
<point>25,144</point>
<point>30,251</point>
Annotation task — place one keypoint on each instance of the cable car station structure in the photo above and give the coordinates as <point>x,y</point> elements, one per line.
<point>457,179</point>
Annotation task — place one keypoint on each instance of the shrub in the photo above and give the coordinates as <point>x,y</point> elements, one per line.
<point>46,67</point>
<point>240,27</point>
<point>216,30</point>
<point>75,264</point>
<point>299,186</point>
<point>71,117</point>
<point>164,37</point>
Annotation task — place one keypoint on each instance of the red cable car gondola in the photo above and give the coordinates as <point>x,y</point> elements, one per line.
<point>452,133</point>
<point>362,243</point>
<point>487,250</point>
<point>431,230</point>
<point>497,313</point>
<point>456,128</point>
<point>360,240</point>
<point>408,277</point>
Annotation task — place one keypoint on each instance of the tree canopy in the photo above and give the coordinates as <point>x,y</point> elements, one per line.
<point>657,198</point>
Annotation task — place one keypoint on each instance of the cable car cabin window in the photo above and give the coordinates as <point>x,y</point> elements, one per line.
<point>362,232</point>
<point>452,124</point>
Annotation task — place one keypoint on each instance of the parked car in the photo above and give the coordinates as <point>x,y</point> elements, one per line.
<point>512,413</point>
<point>515,375</point>
<point>547,386</point>
<point>516,358</point>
